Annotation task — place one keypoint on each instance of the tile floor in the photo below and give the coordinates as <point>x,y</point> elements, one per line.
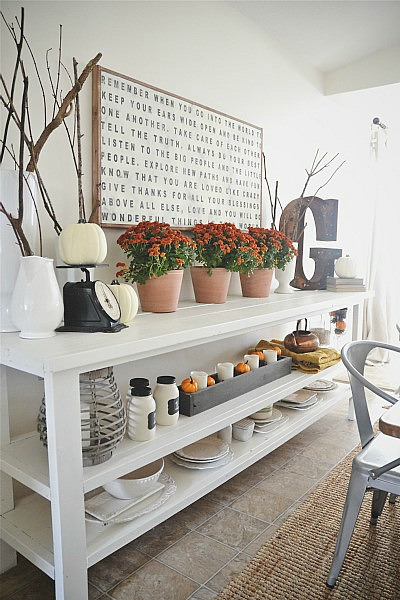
<point>195,553</point>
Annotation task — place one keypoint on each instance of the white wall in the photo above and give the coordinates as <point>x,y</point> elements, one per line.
<point>209,53</point>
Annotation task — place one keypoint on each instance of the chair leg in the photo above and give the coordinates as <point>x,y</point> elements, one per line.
<point>378,502</point>
<point>392,498</point>
<point>354,498</point>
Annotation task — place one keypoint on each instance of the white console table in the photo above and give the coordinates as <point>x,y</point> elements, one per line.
<point>48,527</point>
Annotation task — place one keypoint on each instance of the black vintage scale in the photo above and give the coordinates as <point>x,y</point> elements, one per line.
<point>89,306</point>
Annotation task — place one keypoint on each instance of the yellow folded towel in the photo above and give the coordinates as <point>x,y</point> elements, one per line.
<point>309,362</point>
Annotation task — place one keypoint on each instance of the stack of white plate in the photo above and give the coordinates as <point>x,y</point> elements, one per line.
<point>208,453</point>
<point>321,385</point>
<point>268,423</point>
<point>300,400</point>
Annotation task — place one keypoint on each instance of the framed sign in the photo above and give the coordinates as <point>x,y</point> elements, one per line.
<point>157,156</point>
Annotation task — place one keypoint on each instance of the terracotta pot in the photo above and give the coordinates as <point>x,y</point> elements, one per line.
<point>210,289</point>
<point>161,294</point>
<point>256,284</point>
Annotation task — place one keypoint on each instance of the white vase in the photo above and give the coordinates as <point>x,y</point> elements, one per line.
<point>9,250</point>
<point>284,277</point>
<point>36,303</point>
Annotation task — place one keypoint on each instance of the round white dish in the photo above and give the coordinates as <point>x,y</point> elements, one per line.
<point>137,482</point>
<point>143,507</point>
<point>202,465</point>
<point>270,427</point>
<point>210,448</point>
<point>321,385</point>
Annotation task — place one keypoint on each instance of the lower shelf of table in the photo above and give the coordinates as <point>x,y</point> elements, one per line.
<point>26,460</point>
<point>27,527</point>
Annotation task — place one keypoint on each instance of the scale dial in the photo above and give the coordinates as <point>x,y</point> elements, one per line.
<point>107,300</point>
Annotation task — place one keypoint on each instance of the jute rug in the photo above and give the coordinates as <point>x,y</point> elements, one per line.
<point>294,563</point>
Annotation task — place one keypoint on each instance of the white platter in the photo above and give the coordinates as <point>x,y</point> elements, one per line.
<point>209,448</point>
<point>299,397</point>
<point>270,427</point>
<point>301,406</point>
<point>203,465</point>
<point>321,385</point>
<point>145,506</point>
<point>104,506</point>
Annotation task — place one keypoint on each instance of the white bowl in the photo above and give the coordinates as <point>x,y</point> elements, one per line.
<point>137,483</point>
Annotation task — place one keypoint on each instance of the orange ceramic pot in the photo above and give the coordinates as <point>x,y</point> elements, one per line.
<point>210,289</point>
<point>256,284</point>
<point>161,294</point>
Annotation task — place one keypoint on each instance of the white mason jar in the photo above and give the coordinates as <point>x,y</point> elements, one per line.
<point>166,395</point>
<point>141,417</point>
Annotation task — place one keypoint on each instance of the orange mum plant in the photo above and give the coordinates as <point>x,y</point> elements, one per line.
<point>154,248</point>
<point>275,247</point>
<point>224,245</point>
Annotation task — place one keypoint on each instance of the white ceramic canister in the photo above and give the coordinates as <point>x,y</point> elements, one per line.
<point>166,395</point>
<point>141,416</point>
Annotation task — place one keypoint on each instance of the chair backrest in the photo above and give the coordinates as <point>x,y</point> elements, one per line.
<point>354,355</point>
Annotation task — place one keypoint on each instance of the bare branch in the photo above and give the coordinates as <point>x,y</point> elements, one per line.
<point>316,168</point>
<point>14,78</point>
<point>268,188</point>
<point>69,98</point>
<point>81,201</point>
<point>37,73</point>
<point>58,70</point>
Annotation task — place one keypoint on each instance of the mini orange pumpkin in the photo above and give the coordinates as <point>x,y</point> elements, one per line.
<point>242,367</point>
<point>189,385</point>
<point>340,325</point>
<point>259,354</point>
<point>210,381</point>
<point>274,347</point>
<point>278,350</point>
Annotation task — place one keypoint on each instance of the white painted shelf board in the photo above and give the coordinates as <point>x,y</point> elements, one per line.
<point>30,520</point>
<point>27,528</point>
<point>26,459</point>
<point>192,324</point>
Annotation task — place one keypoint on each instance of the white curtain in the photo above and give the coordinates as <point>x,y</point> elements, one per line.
<point>383,311</point>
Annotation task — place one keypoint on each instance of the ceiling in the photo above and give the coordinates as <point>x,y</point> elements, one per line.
<point>327,34</point>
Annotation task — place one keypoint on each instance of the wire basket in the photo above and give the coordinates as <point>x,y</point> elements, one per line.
<point>103,417</point>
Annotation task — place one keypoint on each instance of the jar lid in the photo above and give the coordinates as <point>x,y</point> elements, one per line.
<point>166,379</point>
<point>139,382</point>
<point>141,391</point>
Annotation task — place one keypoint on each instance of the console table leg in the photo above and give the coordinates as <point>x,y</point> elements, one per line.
<point>8,556</point>
<point>66,481</point>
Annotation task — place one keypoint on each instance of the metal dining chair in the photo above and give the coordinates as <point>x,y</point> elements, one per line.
<point>377,466</point>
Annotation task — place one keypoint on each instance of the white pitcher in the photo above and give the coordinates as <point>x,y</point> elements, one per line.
<point>36,303</point>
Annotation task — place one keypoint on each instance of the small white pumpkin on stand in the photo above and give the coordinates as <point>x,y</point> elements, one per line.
<point>82,243</point>
<point>127,300</point>
<point>345,267</point>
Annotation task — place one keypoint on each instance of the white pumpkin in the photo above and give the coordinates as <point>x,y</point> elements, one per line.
<point>82,244</point>
<point>345,267</point>
<point>127,300</point>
